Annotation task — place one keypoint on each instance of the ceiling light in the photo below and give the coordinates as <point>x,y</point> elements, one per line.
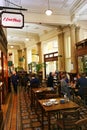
<point>27,39</point>
<point>48,11</point>
<point>12,46</point>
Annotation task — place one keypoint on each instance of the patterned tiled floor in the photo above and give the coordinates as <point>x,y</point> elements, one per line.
<point>20,116</point>
<point>30,120</point>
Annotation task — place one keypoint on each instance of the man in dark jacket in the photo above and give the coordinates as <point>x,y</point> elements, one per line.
<point>34,82</point>
<point>15,79</point>
<point>81,83</point>
<point>50,80</point>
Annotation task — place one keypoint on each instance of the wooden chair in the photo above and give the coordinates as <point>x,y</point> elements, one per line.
<point>85,96</point>
<point>51,95</point>
<point>68,119</point>
<point>34,85</point>
<point>81,124</point>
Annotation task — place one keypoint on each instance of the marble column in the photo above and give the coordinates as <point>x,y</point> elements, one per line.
<point>77,33</point>
<point>39,51</point>
<point>61,60</point>
<point>73,49</point>
<point>25,58</point>
<point>19,56</point>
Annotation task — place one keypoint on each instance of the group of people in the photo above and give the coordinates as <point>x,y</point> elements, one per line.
<point>77,86</point>
<point>14,78</point>
<point>67,85</point>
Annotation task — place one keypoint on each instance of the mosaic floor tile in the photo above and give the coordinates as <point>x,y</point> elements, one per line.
<point>29,117</point>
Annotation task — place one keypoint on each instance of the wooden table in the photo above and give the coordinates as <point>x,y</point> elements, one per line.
<point>55,108</point>
<point>42,89</point>
<point>37,92</point>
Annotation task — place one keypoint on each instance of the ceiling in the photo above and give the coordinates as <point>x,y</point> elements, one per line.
<point>36,23</point>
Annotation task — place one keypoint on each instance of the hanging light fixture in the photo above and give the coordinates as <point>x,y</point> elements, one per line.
<point>27,37</point>
<point>48,11</point>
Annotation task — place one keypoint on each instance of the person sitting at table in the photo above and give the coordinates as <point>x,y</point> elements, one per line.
<point>26,81</point>
<point>65,86</point>
<point>80,84</point>
<point>34,82</point>
<point>50,80</point>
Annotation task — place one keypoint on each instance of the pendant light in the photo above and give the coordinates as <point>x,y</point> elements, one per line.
<point>27,37</point>
<point>48,11</point>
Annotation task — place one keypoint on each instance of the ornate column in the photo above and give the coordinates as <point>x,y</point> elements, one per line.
<point>77,33</point>
<point>61,63</point>
<point>24,54</point>
<point>73,50</point>
<point>39,51</point>
<point>19,58</point>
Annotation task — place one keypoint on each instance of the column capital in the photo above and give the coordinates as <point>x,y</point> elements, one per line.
<point>73,26</point>
<point>78,27</point>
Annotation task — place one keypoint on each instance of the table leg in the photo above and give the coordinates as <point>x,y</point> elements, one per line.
<point>32,99</point>
<point>49,121</point>
<point>42,120</point>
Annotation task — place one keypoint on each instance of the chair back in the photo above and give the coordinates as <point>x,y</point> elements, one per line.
<point>81,124</point>
<point>47,96</point>
<point>85,95</point>
<point>34,85</point>
<point>69,119</point>
<point>85,92</point>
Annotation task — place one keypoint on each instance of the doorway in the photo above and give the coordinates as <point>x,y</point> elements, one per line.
<point>51,60</point>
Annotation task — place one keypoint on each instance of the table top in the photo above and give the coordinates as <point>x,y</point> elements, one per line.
<point>42,89</point>
<point>55,105</point>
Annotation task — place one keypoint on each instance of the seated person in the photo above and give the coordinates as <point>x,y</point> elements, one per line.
<point>80,84</point>
<point>64,86</point>
<point>50,80</point>
<point>34,82</point>
<point>26,81</point>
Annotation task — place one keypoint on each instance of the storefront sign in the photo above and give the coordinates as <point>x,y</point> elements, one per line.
<point>12,19</point>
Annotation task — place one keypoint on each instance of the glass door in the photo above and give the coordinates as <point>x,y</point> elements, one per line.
<point>51,66</point>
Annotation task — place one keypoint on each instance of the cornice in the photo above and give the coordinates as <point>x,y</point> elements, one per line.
<point>78,6</point>
<point>77,9</point>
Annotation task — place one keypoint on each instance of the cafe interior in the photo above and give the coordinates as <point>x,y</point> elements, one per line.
<point>38,39</point>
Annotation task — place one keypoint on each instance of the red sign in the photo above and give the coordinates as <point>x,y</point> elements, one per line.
<point>12,19</point>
